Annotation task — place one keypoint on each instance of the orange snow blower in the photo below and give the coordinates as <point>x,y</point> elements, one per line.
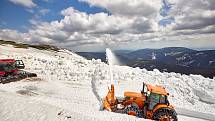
<point>150,103</point>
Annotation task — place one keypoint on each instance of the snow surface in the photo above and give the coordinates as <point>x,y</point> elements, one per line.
<point>69,87</point>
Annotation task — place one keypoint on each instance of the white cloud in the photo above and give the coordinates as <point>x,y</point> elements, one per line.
<point>36,18</point>
<point>44,11</point>
<point>25,3</point>
<point>7,34</point>
<point>34,21</point>
<point>147,8</point>
<point>131,24</point>
<point>78,28</point>
<point>102,23</point>
<point>193,14</point>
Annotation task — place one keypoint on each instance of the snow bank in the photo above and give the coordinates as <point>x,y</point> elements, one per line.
<point>63,88</point>
<point>184,90</point>
<point>70,87</point>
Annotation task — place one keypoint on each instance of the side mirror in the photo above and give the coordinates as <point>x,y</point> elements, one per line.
<point>143,89</point>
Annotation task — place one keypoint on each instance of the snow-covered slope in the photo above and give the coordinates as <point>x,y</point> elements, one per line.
<point>69,87</point>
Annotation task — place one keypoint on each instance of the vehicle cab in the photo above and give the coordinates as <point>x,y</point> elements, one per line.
<point>7,67</point>
<point>155,95</point>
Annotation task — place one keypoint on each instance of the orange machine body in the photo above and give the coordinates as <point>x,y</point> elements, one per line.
<point>142,100</point>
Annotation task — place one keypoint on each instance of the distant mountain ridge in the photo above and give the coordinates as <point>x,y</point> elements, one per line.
<point>170,59</point>
<point>25,46</point>
<point>146,53</point>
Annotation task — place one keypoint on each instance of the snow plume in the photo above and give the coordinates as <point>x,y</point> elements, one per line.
<point>111,60</point>
<point>111,57</point>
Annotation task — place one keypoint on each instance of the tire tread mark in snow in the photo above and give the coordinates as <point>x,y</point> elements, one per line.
<point>195,114</point>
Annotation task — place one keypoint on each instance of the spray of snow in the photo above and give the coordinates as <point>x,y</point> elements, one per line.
<point>111,60</point>
<point>109,56</point>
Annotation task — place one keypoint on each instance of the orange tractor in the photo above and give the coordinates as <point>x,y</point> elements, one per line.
<point>150,103</point>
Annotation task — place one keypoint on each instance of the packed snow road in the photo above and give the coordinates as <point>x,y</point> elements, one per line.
<point>70,87</point>
<point>195,114</point>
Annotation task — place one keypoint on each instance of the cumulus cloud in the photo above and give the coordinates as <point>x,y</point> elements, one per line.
<point>93,23</point>
<point>25,3</point>
<point>130,24</point>
<point>7,34</point>
<point>78,28</point>
<point>147,8</point>
<point>193,14</point>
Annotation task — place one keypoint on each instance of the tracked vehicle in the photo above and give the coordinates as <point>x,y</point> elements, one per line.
<point>11,70</point>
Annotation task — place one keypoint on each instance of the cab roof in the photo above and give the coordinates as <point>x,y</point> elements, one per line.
<point>157,89</point>
<point>7,60</point>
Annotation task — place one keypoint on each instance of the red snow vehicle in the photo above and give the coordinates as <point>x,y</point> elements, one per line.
<point>10,70</point>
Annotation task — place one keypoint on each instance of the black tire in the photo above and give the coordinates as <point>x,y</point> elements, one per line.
<point>165,112</point>
<point>133,107</point>
<point>32,75</point>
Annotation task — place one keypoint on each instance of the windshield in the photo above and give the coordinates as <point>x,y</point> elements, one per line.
<point>7,66</point>
<point>2,67</point>
<point>153,99</point>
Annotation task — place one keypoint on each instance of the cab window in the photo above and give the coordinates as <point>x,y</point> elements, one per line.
<point>153,100</point>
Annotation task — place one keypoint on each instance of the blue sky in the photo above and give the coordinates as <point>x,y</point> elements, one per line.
<point>17,17</point>
<point>164,12</point>
<point>13,16</point>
